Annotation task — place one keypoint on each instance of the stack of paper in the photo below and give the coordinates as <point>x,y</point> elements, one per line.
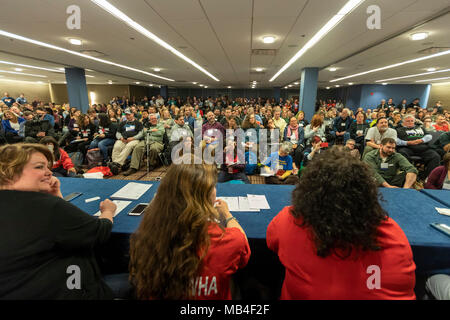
<point>132,191</point>
<point>258,201</point>
<point>251,203</point>
<point>120,206</point>
<point>93,175</point>
<point>443,211</point>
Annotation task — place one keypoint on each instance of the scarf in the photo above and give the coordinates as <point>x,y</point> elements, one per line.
<point>290,129</point>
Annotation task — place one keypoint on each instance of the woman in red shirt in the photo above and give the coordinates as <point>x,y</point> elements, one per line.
<point>336,241</point>
<point>185,248</point>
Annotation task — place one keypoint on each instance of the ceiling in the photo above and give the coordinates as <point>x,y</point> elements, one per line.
<point>220,36</point>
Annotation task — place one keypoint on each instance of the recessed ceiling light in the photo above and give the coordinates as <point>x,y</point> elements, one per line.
<point>200,85</point>
<point>18,69</point>
<point>326,28</point>
<point>259,69</point>
<point>229,87</point>
<point>350,83</point>
<point>194,82</point>
<point>431,69</point>
<point>268,39</point>
<point>110,82</point>
<point>156,69</point>
<point>151,85</point>
<point>137,82</point>
<point>394,65</point>
<point>62,69</point>
<point>332,69</point>
<point>254,82</point>
<point>290,85</point>
<point>419,36</point>
<point>206,86</point>
<point>328,88</point>
<point>89,76</point>
<point>337,86</point>
<point>384,83</point>
<point>105,5</point>
<point>47,45</point>
<point>75,42</point>
<point>296,83</point>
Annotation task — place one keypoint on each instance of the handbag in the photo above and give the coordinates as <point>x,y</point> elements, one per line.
<point>94,158</point>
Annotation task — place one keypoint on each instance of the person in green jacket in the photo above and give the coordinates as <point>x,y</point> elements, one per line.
<point>391,169</point>
<point>154,139</point>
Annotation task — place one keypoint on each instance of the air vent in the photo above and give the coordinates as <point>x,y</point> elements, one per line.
<point>433,50</point>
<point>264,52</point>
<point>93,53</point>
<point>256,72</point>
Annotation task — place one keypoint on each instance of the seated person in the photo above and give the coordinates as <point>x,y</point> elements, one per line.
<point>341,125</point>
<point>315,128</point>
<point>350,145</point>
<point>396,120</point>
<point>439,286</point>
<point>36,128</point>
<point>154,135</point>
<point>413,141</point>
<point>188,248</point>
<point>279,165</point>
<point>442,144</point>
<point>314,148</point>
<point>358,130</point>
<point>295,135</point>
<point>180,131</point>
<point>105,136</point>
<point>337,242</point>
<point>441,123</point>
<point>128,135</point>
<point>391,169</point>
<point>439,178</point>
<point>11,125</point>
<point>83,137</point>
<point>234,164</point>
<point>62,165</point>
<point>55,233</point>
<point>302,122</point>
<point>428,125</point>
<point>376,134</point>
<point>213,132</point>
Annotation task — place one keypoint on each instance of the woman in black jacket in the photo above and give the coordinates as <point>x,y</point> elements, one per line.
<point>83,137</point>
<point>47,244</point>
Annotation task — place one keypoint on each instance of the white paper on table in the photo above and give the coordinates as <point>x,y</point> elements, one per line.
<point>132,191</point>
<point>120,206</point>
<point>443,211</point>
<point>258,201</point>
<point>245,206</point>
<point>233,203</point>
<point>93,175</point>
<point>266,174</point>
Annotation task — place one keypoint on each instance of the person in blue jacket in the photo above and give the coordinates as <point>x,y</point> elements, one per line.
<point>342,124</point>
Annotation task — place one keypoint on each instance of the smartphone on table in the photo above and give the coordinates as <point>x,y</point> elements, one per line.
<point>138,209</point>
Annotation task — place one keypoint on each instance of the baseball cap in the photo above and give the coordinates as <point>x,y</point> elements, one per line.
<point>128,111</point>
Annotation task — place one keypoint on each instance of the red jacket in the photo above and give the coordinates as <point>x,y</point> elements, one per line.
<point>311,277</point>
<point>64,161</point>
<point>436,178</point>
<point>228,252</point>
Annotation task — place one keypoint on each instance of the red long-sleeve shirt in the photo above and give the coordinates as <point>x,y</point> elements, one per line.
<point>64,161</point>
<point>309,276</point>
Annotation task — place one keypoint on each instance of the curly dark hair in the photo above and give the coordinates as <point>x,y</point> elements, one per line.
<point>338,199</point>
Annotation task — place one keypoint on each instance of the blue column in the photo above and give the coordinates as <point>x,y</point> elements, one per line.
<point>308,91</point>
<point>164,92</point>
<point>277,93</point>
<point>77,89</point>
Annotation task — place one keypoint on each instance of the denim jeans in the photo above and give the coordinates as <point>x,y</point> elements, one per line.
<point>103,146</point>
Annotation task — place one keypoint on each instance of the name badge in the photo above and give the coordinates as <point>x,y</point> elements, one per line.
<point>385,166</point>
<point>130,128</point>
<point>249,133</point>
<point>359,132</point>
<point>75,125</point>
<point>210,132</point>
<point>446,186</point>
<point>343,124</point>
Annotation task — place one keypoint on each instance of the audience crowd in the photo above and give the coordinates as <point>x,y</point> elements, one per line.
<point>393,146</point>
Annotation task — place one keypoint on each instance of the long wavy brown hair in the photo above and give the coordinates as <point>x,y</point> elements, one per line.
<point>167,249</point>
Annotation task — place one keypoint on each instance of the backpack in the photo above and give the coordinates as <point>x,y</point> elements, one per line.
<point>94,158</point>
<point>77,158</point>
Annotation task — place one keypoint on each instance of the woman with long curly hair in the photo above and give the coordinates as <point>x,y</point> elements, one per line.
<point>185,248</point>
<point>336,241</point>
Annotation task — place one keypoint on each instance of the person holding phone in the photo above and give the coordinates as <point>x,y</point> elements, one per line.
<point>189,248</point>
<point>42,235</point>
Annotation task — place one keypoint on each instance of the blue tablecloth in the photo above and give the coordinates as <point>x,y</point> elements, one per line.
<point>411,209</point>
<point>442,196</point>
